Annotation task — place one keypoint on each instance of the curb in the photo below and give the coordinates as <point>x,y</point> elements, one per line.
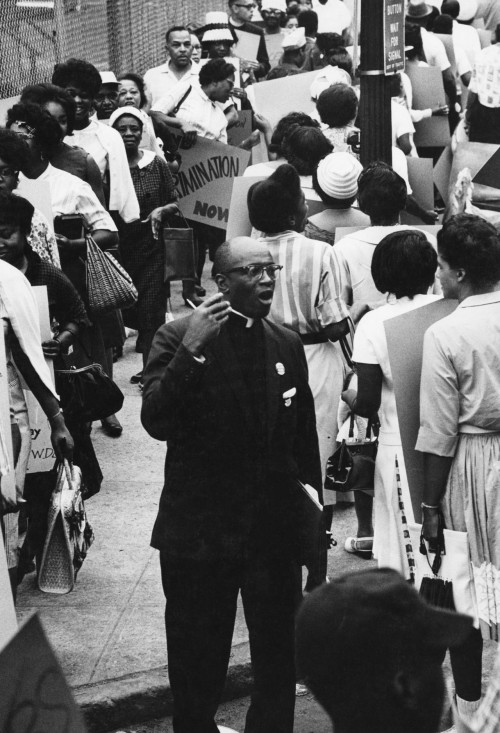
<point>137,698</point>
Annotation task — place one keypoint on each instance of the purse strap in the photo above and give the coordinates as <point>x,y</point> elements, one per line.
<point>406,530</point>
<point>181,101</point>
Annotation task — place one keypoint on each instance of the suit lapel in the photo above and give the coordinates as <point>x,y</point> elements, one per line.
<point>223,352</point>
<point>272,379</point>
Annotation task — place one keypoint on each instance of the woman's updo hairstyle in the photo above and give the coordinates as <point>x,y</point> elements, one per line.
<point>46,133</point>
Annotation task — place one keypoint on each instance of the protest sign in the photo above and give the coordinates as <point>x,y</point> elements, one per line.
<point>420,178</point>
<point>204,182</point>
<point>247,46</point>
<point>238,224</point>
<point>475,157</point>
<point>274,47</point>
<point>405,342</point>
<point>42,456</point>
<point>442,171</point>
<point>428,92</point>
<point>276,98</point>
<point>243,128</point>
<point>35,695</point>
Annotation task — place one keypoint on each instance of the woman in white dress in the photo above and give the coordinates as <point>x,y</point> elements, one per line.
<point>403,265</point>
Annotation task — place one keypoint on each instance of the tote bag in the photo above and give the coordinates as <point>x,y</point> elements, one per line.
<point>180,252</point>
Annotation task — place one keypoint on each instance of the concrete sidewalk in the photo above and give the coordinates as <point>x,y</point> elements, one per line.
<point>108,633</point>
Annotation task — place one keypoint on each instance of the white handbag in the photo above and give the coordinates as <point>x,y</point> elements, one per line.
<point>456,567</point>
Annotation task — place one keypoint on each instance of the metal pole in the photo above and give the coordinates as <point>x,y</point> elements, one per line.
<point>355,50</point>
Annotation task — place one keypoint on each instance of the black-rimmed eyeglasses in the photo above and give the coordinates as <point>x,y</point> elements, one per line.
<point>256,272</point>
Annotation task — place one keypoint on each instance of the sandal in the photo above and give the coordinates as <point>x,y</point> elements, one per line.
<point>361,546</point>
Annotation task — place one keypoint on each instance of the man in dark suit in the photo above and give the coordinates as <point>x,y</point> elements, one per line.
<point>228,391</point>
<point>240,15</point>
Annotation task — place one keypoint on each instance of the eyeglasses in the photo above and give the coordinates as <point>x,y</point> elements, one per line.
<point>256,272</point>
<point>8,172</point>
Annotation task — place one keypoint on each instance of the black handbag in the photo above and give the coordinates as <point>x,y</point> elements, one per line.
<point>88,394</point>
<point>352,466</point>
<point>180,252</point>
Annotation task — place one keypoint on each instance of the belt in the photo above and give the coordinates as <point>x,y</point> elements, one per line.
<point>308,339</point>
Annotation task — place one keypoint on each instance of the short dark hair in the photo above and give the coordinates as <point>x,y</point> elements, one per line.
<point>16,211</point>
<point>308,20</point>
<point>327,42</point>
<point>404,263</point>
<point>14,151</point>
<point>443,24</point>
<point>304,147</point>
<point>339,56</point>
<point>337,105</point>
<point>284,124</point>
<point>450,7</point>
<point>79,72</point>
<point>139,82</point>
<point>471,243</point>
<point>44,93</point>
<point>47,135</point>
<point>215,70</point>
<point>176,29</point>
<point>381,192</point>
<point>273,201</point>
<point>279,72</point>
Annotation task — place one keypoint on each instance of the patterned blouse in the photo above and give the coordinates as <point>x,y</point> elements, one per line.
<point>42,240</point>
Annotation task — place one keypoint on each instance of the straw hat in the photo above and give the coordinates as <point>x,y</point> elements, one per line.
<point>216,28</point>
<point>338,175</point>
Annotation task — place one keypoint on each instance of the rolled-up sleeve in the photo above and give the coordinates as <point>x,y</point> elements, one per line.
<point>439,400</point>
<point>330,307</point>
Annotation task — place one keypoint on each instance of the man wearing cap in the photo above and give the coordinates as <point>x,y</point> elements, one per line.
<point>293,45</point>
<point>106,99</point>
<point>240,15</point>
<point>161,79</point>
<point>420,13</point>
<point>371,650</point>
<point>228,391</point>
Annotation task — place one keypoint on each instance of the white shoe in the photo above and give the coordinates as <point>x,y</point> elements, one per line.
<point>224,729</point>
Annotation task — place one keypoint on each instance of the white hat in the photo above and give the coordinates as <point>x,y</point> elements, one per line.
<point>328,76</point>
<point>468,10</point>
<point>108,77</point>
<point>216,17</point>
<point>217,34</point>
<point>273,5</point>
<point>128,110</point>
<point>294,40</point>
<point>216,28</point>
<point>338,175</point>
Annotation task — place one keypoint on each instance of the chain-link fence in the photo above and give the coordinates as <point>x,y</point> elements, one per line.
<point>121,35</point>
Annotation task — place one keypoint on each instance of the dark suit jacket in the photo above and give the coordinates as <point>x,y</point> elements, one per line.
<point>262,55</point>
<point>218,491</point>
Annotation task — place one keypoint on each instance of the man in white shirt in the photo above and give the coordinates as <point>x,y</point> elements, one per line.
<point>161,79</point>
<point>196,106</point>
<point>464,35</point>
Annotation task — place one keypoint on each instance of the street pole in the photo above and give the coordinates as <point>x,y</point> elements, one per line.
<point>375,100</point>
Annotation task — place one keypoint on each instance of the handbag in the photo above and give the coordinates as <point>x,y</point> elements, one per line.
<point>109,286</point>
<point>444,578</point>
<point>88,394</point>
<point>352,466</point>
<point>180,252</point>
<point>69,534</point>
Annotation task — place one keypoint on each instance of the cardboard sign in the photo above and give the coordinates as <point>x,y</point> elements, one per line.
<point>476,156</point>
<point>274,47</point>
<point>42,456</point>
<point>442,171</point>
<point>428,91</point>
<point>238,224</point>
<point>420,178</point>
<point>35,695</point>
<point>8,621</point>
<point>489,175</point>
<point>247,46</point>
<point>276,98</point>
<point>405,343</point>
<point>204,181</point>
<point>243,129</point>
<point>394,36</point>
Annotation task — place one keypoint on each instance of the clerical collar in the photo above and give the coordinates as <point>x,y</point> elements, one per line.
<point>249,321</point>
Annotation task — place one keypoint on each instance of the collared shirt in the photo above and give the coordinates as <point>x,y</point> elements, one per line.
<point>71,195</point>
<point>460,386</point>
<point>307,293</point>
<point>106,146</point>
<point>161,80</point>
<point>197,112</point>
<point>468,38</point>
<point>485,80</point>
<point>435,52</point>
<point>353,255</point>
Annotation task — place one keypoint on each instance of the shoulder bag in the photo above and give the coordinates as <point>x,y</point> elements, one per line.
<point>180,252</point>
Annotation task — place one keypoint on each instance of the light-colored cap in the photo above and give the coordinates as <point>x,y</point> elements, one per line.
<point>468,10</point>
<point>128,110</point>
<point>108,77</point>
<point>338,175</point>
<point>294,40</point>
<point>216,17</point>
<point>274,5</point>
<point>328,76</point>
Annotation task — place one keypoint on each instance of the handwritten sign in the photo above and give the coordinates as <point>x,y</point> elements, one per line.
<point>204,182</point>
<point>42,456</point>
<point>35,695</point>
<point>243,128</point>
<point>428,92</point>
<point>394,36</point>
<point>247,46</point>
<point>405,343</point>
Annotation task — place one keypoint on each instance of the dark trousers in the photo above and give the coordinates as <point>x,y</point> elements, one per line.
<point>199,619</point>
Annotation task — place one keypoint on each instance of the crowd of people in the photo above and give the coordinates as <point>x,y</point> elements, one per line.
<point>251,389</point>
